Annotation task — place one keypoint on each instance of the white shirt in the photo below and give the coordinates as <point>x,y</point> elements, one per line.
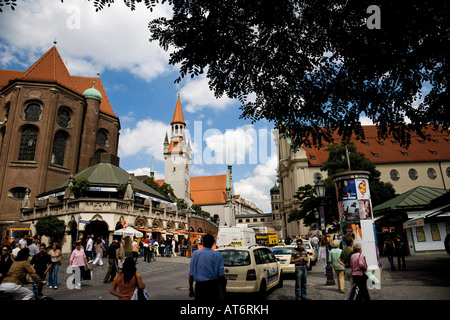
<point>89,245</point>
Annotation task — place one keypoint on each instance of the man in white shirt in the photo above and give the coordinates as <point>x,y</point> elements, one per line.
<point>89,246</point>
<point>23,242</point>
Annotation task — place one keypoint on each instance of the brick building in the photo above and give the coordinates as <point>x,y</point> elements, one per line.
<point>51,124</point>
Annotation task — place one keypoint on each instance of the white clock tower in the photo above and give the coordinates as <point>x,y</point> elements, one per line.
<point>177,156</point>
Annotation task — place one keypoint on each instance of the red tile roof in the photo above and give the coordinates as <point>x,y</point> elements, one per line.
<point>389,151</point>
<point>178,114</point>
<point>209,189</point>
<point>50,68</point>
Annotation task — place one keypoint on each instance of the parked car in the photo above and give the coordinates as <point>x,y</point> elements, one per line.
<point>283,254</point>
<point>312,253</point>
<point>251,269</point>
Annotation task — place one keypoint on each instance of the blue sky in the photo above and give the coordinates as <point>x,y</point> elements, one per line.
<point>140,85</point>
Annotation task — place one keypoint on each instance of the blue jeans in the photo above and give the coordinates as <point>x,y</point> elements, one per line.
<point>300,284</point>
<point>53,275</point>
<point>168,251</point>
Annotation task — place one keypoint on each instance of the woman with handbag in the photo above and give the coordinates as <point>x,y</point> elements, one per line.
<point>359,267</point>
<point>128,281</point>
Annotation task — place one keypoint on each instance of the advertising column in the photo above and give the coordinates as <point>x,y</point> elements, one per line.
<point>355,216</point>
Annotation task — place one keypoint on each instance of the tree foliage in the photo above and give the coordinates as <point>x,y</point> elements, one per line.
<point>314,66</point>
<point>51,227</point>
<point>165,189</point>
<point>80,187</point>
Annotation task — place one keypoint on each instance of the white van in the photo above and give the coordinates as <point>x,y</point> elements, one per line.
<point>235,236</point>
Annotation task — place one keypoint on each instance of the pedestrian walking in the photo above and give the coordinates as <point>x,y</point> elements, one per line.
<point>15,281</point>
<point>34,249</point>
<point>78,259</point>
<point>135,250</point>
<point>208,273</point>
<point>55,256</point>
<point>127,281</point>
<point>339,268</point>
<point>315,243</point>
<point>359,266</point>
<point>98,249</point>
<point>322,254</point>
<point>24,242</point>
<point>300,257</point>
<point>89,248</point>
<point>389,251</point>
<point>345,261</point>
<point>174,247</point>
<point>15,250</point>
<point>147,247</point>
<point>42,263</point>
<point>401,252</point>
<point>168,246</point>
<point>120,252</point>
<point>112,261</point>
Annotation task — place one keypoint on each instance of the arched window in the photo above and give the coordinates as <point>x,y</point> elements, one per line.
<point>33,112</point>
<point>59,147</point>
<point>63,117</point>
<point>102,138</point>
<point>28,142</point>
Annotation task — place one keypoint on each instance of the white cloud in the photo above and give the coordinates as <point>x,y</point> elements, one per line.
<point>236,144</point>
<point>197,95</point>
<point>148,137</point>
<point>257,187</point>
<point>146,172</point>
<point>114,38</point>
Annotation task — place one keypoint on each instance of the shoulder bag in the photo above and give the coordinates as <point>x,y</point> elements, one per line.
<point>139,294</point>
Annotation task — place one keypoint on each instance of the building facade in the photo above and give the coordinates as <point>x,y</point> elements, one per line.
<point>424,163</point>
<point>51,124</point>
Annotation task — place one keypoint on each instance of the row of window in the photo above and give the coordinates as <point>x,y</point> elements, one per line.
<point>29,138</point>
<point>395,175</point>
<point>413,175</point>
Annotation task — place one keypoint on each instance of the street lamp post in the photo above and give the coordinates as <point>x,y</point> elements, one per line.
<point>320,192</point>
<point>189,245</point>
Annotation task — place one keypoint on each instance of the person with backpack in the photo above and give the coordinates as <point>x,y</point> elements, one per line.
<point>389,250</point>
<point>112,260</point>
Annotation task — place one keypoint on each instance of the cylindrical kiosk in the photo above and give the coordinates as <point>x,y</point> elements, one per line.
<point>356,218</point>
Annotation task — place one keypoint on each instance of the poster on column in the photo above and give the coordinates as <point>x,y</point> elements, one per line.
<point>354,205</point>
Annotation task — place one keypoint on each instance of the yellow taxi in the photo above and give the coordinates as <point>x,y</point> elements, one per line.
<point>251,269</point>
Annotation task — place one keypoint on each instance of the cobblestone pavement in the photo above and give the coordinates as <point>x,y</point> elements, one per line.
<point>426,278</point>
<point>99,272</point>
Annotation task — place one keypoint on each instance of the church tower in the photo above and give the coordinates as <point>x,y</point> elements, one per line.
<point>177,156</point>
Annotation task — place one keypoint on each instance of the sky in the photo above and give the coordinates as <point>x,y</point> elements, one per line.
<point>139,83</point>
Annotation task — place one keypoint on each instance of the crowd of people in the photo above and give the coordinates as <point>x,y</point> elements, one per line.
<point>33,262</point>
<point>26,261</point>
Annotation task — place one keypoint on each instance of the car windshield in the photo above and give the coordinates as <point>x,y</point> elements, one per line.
<point>19,233</point>
<point>233,258</point>
<point>282,250</point>
<point>306,246</point>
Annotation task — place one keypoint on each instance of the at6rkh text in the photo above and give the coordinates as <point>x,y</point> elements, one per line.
<point>245,309</point>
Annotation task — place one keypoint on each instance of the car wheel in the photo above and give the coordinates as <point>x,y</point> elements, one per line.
<point>262,289</point>
<point>280,283</point>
